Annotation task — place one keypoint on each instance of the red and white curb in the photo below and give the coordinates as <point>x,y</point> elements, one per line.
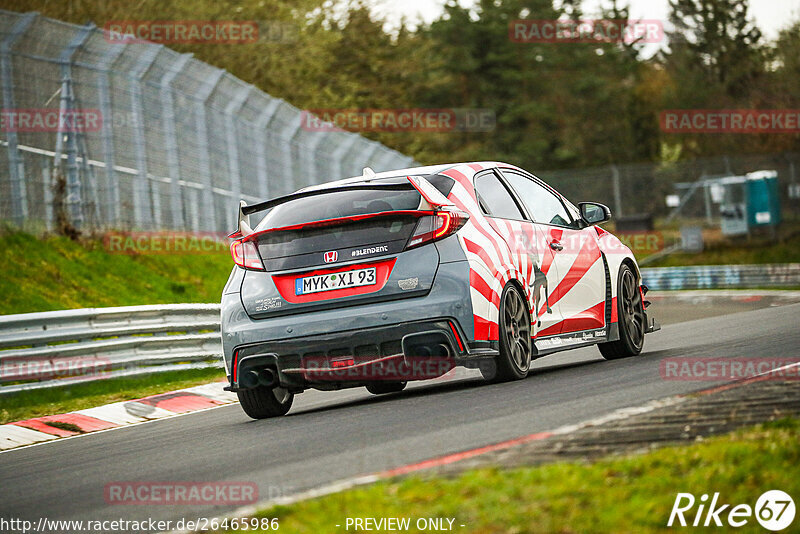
<point>115,415</point>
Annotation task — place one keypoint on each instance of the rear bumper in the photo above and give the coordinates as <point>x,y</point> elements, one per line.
<point>400,352</point>
<point>380,325</point>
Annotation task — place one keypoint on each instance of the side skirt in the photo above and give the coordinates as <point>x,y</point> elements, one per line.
<point>551,344</point>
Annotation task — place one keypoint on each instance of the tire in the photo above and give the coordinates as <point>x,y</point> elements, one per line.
<point>630,318</point>
<point>262,402</point>
<point>514,360</point>
<point>381,388</point>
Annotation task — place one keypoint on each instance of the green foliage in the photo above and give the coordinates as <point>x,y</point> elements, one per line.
<point>557,105</point>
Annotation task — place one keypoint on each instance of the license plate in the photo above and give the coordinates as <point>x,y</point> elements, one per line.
<point>333,281</point>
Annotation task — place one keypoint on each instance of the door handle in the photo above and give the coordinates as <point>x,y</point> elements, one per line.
<point>555,245</point>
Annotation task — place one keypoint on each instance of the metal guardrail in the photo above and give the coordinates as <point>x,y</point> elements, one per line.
<point>722,276</point>
<point>40,350</point>
<point>47,349</point>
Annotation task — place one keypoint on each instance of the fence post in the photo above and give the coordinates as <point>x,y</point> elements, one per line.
<point>171,141</point>
<point>140,187</point>
<point>233,107</point>
<point>47,195</point>
<point>16,169</point>
<point>311,156</point>
<point>286,150</point>
<point>385,163</point>
<point>262,123</point>
<point>375,146</point>
<point>617,192</point>
<point>340,153</point>
<point>104,97</point>
<point>74,186</point>
<point>201,126</point>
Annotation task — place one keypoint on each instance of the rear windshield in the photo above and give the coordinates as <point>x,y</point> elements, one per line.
<point>340,204</point>
<point>348,203</point>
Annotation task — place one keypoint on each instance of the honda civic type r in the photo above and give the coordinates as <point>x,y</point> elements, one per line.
<point>385,278</point>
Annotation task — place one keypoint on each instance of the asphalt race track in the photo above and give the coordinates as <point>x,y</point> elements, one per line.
<point>330,436</point>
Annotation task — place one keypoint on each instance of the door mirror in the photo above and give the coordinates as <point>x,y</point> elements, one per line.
<point>594,213</point>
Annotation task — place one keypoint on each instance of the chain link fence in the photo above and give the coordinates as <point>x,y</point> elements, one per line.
<point>634,189</point>
<point>178,142</point>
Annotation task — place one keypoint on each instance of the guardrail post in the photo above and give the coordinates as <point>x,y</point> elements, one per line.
<point>233,107</point>
<point>201,127</point>
<point>104,66</point>
<point>141,185</point>
<point>171,141</point>
<point>16,169</point>
<point>74,198</point>
<point>262,123</point>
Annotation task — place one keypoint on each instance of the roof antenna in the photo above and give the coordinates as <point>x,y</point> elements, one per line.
<point>368,173</point>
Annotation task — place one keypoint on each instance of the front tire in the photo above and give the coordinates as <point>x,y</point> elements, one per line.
<point>514,360</point>
<point>630,318</point>
<point>263,402</point>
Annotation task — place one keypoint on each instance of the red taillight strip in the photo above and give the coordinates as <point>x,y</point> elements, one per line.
<point>447,218</point>
<point>338,220</point>
<point>245,255</point>
<point>446,222</point>
<point>235,365</point>
<point>455,333</point>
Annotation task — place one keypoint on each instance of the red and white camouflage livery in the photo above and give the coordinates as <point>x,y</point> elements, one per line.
<point>500,250</point>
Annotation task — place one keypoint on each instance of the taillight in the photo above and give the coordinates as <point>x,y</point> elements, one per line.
<point>245,255</point>
<point>432,228</point>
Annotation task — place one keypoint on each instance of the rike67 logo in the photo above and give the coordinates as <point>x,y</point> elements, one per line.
<point>774,510</point>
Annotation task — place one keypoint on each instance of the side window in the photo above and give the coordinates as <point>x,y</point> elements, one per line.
<point>543,205</point>
<point>495,199</point>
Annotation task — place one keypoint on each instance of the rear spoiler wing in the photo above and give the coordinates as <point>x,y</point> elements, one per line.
<point>430,195</point>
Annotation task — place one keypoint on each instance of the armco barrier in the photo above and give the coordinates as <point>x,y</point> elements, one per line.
<point>722,276</point>
<point>46,349</point>
<point>62,347</point>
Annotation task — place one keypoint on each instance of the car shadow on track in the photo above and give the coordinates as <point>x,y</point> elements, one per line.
<point>440,388</point>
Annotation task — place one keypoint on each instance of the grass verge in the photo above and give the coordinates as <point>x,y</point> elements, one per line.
<point>787,251</point>
<point>53,273</point>
<point>624,494</point>
<point>37,403</point>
